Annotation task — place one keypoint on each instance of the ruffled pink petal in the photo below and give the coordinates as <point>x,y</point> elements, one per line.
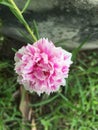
<point>42,67</point>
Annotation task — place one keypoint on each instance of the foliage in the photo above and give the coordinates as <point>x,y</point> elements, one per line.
<point>19,15</point>
<point>74,107</point>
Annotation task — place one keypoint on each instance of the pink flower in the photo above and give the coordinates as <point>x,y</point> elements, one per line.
<point>42,67</point>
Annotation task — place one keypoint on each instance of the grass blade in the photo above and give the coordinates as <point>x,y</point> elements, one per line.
<point>75,51</point>
<point>69,104</point>
<point>44,102</point>
<point>3,65</point>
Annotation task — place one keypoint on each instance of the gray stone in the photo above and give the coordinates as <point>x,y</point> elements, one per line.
<point>39,5</point>
<point>66,22</point>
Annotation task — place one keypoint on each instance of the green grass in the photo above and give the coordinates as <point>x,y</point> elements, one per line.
<point>74,107</point>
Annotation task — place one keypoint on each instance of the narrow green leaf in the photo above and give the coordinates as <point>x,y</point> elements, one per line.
<point>6,4</point>
<point>26,6</point>
<point>36,29</point>
<point>25,36</point>
<point>69,104</point>
<point>75,51</point>
<point>80,91</point>
<point>20,18</point>
<point>14,50</point>
<point>44,102</point>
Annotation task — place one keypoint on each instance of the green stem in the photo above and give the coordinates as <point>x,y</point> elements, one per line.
<point>46,128</point>
<point>19,14</point>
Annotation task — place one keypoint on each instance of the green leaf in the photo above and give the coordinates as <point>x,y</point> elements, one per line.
<point>25,36</point>
<point>36,29</point>
<point>14,50</point>
<point>75,51</point>
<point>68,103</point>
<point>26,6</point>
<point>20,18</point>
<point>6,3</point>
<point>44,102</point>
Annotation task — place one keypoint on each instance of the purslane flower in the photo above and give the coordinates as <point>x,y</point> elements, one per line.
<point>42,67</point>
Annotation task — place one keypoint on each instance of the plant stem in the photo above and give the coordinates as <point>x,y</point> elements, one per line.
<point>23,94</point>
<point>23,107</point>
<point>22,102</point>
<point>20,17</point>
